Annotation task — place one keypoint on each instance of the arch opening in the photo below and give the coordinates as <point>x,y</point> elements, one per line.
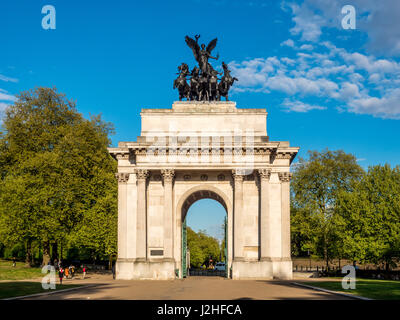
<point>204,254</point>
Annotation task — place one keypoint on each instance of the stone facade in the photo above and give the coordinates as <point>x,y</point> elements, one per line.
<point>200,150</point>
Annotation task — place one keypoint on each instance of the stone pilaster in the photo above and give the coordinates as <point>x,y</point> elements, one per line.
<point>168,175</point>
<point>285,177</point>
<point>122,213</point>
<point>141,232</point>
<point>265,241</point>
<point>237,215</point>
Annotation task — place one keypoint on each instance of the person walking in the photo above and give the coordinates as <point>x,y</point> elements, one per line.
<point>66,272</point>
<point>72,271</point>
<point>14,262</point>
<point>84,272</point>
<point>61,274</point>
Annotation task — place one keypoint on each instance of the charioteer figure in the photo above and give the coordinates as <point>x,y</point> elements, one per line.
<point>204,85</point>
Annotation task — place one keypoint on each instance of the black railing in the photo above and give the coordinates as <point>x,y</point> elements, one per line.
<point>206,273</point>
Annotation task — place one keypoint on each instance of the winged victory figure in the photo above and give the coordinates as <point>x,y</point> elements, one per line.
<point>202,54</point>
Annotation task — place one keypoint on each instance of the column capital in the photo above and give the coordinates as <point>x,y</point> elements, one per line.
<point>264,173</point>
<point>122,177</point>
<point>285,176</point>
<point>142,174</point>
<point>238,175</point>
<point>168,174</point>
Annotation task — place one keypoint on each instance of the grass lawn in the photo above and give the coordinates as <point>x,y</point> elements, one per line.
<point>20,272</point>
<point>375,289</point>
<point>22,288</point>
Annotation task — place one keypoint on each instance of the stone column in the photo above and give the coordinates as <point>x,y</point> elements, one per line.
<point>285,177</point>
<point>168,175</point>
<point>265,243</point>
<point>237,215</point>
<point>141,240</point>
<point>122,214</point>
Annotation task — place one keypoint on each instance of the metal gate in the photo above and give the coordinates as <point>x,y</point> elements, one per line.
<point>184,249</point>
<point>226,248</point>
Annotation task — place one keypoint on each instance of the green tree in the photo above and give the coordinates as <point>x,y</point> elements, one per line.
<point>202,247</point>
<point>315,186</point>
<point>56,173</point>
<point>370,215</point>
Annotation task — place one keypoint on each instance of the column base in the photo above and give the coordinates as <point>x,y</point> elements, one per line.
<point>131,269</point>
<point>266,269</point>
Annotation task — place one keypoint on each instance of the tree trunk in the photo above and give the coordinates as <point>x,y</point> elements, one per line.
<point>28,254</point>
<point>54,251</point>
<point>46,253</point>
<point>326,254</point>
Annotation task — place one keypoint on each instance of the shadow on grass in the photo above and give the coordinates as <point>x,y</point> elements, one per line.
<point>22,288</point>
<point>375,289</point>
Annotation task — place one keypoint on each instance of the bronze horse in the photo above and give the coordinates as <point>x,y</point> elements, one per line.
<point>181,82</point>
<point>226,82</point>
<point>195,84</point>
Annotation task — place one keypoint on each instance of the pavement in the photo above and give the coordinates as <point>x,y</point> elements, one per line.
<point>102,286</point>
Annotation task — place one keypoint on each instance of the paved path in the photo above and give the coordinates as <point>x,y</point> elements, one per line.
<point>192,288</point>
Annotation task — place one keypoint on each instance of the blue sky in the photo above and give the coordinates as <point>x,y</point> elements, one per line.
<point>323,86</point>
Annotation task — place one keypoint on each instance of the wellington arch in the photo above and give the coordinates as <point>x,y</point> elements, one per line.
<point>198,150</point>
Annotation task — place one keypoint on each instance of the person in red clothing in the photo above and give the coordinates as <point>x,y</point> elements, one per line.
<point>84,272</point>
<point>61,274</point>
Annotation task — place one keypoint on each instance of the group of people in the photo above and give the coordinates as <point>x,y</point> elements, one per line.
<point>68,273</point>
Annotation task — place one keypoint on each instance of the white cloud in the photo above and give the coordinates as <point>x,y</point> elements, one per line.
<point>3,106</point>
<point>7,79</point>
<point>299,106</point>
<point>288,43</point>
<point>378,19</point>
<point>356,82</point>
<point>5,96</point>
<point>349,91</point>
<point>387,106</point>
<point>306,47</point>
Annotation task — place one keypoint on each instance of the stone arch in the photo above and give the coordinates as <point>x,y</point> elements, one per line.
<point>199,192</point>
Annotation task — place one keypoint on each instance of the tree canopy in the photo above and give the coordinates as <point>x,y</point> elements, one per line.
<point>315,186</point>
<point>57,178</point>
<point>341,211</point>
<point>202,247</point>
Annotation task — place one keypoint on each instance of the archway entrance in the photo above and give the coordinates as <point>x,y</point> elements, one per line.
<point>203,260</point>
<point>204,239</point>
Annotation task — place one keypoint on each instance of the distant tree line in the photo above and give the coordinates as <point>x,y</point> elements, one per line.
<point>340,211</point>
<point>203,248</point>
<point>58,194</point>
